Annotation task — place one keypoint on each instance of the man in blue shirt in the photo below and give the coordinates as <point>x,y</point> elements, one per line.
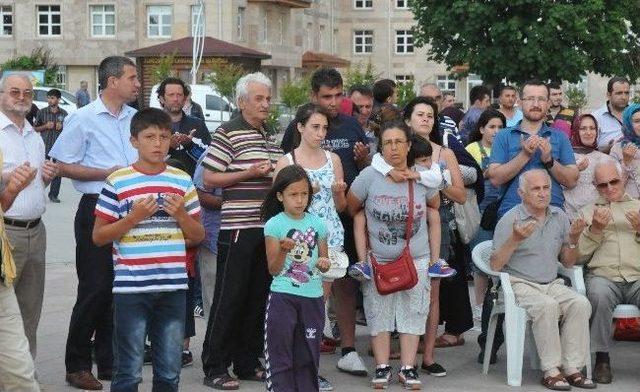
<point>82,96</point>
<point>93,144</point>
<point>532,144</point>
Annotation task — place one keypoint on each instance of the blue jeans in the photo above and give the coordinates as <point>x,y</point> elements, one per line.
<point>159,314</point>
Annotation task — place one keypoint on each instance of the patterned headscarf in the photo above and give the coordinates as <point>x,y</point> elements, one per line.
<point>629,135</point>
<point>577,144</point>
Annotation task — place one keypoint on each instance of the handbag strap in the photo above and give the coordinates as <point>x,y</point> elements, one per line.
<point>410,218</point>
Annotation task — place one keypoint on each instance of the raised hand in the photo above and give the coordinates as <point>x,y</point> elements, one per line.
<point>522,231</point>
<point>529,145</point>
<point>174,205</point>
<point>49,171</point>
<point>260,169</point>
<point>286,245</point>
<point>143,208</point>
<point>20,178</point>
<point>360,151</point>
<point>583,164</point>
<point>577,227</point>
<point>323,264</point>
<point>634,218</point>
<point>629,153</point>
<point>544,145</point>
<point>601,218</point>
<point>339,187</point>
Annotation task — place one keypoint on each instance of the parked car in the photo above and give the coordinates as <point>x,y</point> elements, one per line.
<point>67,101</point>
<point>217,109</point>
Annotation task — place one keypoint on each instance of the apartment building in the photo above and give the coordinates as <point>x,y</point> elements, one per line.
<point>337,32</point>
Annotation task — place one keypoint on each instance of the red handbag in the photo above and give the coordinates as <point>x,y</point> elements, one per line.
<point>399,274</point>
<point>627,329</point>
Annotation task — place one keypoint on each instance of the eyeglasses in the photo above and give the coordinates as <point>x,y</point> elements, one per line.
<point>603,185</point>
<point>390,143</point>
<point>535,99</point>
<point>16,93</point>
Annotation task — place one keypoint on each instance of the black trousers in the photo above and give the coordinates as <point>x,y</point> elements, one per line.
<point>235,329</point>
<point>487,306</point>
<point>93,311</point>
<point>54,189</point>
<point>455,305</point>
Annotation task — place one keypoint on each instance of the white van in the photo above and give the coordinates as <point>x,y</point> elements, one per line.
<point>216,108</point>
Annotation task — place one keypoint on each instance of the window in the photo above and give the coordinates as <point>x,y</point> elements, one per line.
<point>363,41</point>
<point>49,20</point>
<point>282,29</point>
<point>61,77</point>
<point>404,41</point>
<point>159,21</point>
<point>103,20</point>
<point>240,24</point>
<point>402,79</point>
<point>402,4</point>
<point>309,38</point>
<point>446,84</point>
<point>197,26</point>
<point>214,102</point>
<point>321,39</point>
<point>265,28</point>
<point>363,4</point>
<point>6,20</point>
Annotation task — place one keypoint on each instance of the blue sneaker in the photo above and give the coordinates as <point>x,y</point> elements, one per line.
<point>324,384</point>
<point>440,269</point>
<point>360,271</point>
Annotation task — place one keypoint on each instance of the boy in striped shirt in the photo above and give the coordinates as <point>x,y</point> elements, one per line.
<point>150,211</point>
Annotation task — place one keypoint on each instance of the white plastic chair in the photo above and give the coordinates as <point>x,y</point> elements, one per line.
<point>516,321</point>
<point>623,311</point>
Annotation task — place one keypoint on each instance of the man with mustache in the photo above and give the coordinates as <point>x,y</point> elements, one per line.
<point>532,144</point>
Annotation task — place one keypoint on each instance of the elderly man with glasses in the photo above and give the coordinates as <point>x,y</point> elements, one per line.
<point>609,248</point>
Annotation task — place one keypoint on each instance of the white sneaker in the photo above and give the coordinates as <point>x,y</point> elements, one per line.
<point>352,364</point>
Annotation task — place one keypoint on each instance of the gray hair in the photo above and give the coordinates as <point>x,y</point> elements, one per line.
<point>112,66</point>
<point>429,84</point>
<point>22,75</point>
<point>522,180</point>
<point>606,161</point>
<point>242,87</point>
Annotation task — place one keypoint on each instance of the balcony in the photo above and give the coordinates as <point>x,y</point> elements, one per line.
<point>285,3</point>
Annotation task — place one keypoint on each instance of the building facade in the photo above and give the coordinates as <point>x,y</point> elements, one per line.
<point>80,33</point>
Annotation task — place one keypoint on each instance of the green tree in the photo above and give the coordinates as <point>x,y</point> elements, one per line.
<point>357,74</point>
<point>406,92</point>
<point>524,39</point>
<point>295,92</point>
<point>224,76</point>
<point>576,97</point>
<point>163,69</point>
<point>40,58</point>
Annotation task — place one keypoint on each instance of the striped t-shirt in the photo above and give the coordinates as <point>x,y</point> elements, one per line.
<point>151,256</point>
<point>237,145</point>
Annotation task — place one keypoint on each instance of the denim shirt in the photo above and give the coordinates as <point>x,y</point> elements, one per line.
<point>506,145</point>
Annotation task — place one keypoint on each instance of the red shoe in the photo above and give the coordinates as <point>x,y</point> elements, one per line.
<point>326,348</point>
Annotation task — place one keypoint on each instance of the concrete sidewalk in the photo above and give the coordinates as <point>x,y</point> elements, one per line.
<point>464,374</point>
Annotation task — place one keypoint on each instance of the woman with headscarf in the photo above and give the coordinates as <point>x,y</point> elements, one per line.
<point>584,139</point>
<point>626,150</point>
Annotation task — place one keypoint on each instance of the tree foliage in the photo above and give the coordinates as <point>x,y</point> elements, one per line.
<point>40,58</point>
<point>576,97</point>
<point>524,39</point>
<point>163,69</point>
<point>295,92</point>
<point>406,92</point>
<point>224,76</point>
<point>358,74</point>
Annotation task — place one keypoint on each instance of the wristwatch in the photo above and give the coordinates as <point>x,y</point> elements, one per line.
<point>573,246</point>
<point>549,165</point>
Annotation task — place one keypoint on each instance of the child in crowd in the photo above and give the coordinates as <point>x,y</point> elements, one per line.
<point>150,212</point>
<point>426,173</point>
<point>297,250</point>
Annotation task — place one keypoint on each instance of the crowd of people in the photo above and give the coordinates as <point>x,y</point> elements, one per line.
<point>365,213</point>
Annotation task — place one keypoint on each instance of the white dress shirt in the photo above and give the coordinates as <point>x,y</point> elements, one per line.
<point>19,146</point>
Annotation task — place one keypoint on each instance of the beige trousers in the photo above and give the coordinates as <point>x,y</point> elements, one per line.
<point>29,247</point>
<point>560,322</point>
<point>17,372</point>
<point>208,266</point>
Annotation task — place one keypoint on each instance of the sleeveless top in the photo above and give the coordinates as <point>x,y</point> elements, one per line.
<point>322,203</point>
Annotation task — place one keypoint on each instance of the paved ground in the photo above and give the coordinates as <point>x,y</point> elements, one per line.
<point>464,373</point>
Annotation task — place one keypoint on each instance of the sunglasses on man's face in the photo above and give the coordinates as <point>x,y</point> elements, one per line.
<point>603,185</point>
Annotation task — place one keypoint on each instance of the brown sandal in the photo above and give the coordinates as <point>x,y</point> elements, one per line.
<point>580,381</point>
<point>552,383</point>
<point>442,342</point>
